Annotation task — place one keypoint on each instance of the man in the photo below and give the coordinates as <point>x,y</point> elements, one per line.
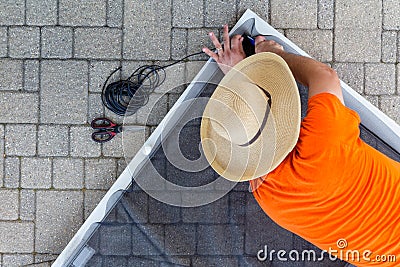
<point>332,189</point>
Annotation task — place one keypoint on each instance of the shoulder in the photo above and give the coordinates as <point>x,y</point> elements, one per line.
<point>328,122</point>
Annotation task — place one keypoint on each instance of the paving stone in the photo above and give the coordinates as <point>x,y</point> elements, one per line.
<point>237,207</point>
<point>14,260</point>
<point>147,239</point>
<point>3,170</point>
<point>115,261</point>
<point>220,240</point>
<point>380,79</point>
<point>82,13</point>
<point>192,69</point>
<point>97,43</point>
<point>326,14</point>
<point>96,261</point>
<point>163,213</point>
<point>174,80</point>
<point>128,144</point>
<point>398,78</point>
<point>144,26</point>
<point>183,244</point>
<point>252,261</point>
<point>121,165</point>
<point>100,173</point>
<point>24,42</point>
<point>154,111</point>
<point>215,261</point>
<point>18,107</point>
<point>99,71</point>
<point>10,74</point>
<point>3,41</point>
<point>44,260</point>
<point>358,25</point>
<point>114,147</point>
<point>35,173</point>
<point>66,80</point>
<point>257,238</point>
<point>176,261</point>
<point>81,143</point>
<point>260,7</point>
<point>95,109</point>
<point>142,262</point>
<point>16,237</point>
<point>43,12</point>
<point>56,42</point>
<point>31,75</point>
<point>216,212</point>
<point>187,14</point>
<point>391,15</point>
<point>67,173</point>
<point>317,43</point>
<point>12,12</point>
<point>64,219</point>
<point>53,140</point>
<point>179,43</point>
<point>391,106</point>
<point>27,205</point>
<point>197,39</point>
<point>373,99</point>
<point>389,48</point>
<point>11,172</point>
<point>20,140</point>
<point>115,13</point>
<point>92,198</point>
<point>285,14</point>
<point>172,98</point>
<point>9,204</point>
<point>115,240</point>
<point>134,208</point>
<point>352,74</point>
<point>218,13</point>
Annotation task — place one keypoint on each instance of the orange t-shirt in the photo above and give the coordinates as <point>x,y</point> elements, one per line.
<point>333,186</point>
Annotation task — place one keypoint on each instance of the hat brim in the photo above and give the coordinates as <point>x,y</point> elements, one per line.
<point>236,163</point>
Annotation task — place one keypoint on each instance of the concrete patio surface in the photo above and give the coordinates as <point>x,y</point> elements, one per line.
<point>56,54</point>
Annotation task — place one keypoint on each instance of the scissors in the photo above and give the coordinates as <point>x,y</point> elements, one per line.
<point>107,129</point>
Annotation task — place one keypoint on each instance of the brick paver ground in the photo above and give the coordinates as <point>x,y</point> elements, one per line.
<point>55,55</point>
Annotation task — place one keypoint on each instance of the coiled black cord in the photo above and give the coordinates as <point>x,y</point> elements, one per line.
<point>125,97</point>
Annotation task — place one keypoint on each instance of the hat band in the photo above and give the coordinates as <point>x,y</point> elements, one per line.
<point>264,122</point>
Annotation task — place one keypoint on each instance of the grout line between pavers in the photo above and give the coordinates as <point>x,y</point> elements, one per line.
<point>122,34</point>
<point>73,43</point>
<point>58,12</point>
<point>107,12</point>
<point>8,41</point>
<point>269,13</point>
<point>25,12</point>
<point>334,33</point>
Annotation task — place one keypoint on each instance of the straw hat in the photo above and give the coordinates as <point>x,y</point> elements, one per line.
<point>252,120</point>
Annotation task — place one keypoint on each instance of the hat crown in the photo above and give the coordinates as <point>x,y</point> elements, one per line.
<point>238,112</point>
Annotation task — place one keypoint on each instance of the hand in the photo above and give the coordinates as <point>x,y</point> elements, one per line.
<point>263,45</point>
<point>230,54</point>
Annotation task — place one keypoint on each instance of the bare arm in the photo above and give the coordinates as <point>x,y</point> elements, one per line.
<point>318,77</point>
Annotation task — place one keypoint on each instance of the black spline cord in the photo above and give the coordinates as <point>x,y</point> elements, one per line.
<point>125,97</point>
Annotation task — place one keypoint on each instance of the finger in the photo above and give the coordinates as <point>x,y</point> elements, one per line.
<point>211,54</point>
<point>225,35</point>
<point>259,39</point>
<point>235,42</point>
<point>214,40</point>
<point>241,50</point>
